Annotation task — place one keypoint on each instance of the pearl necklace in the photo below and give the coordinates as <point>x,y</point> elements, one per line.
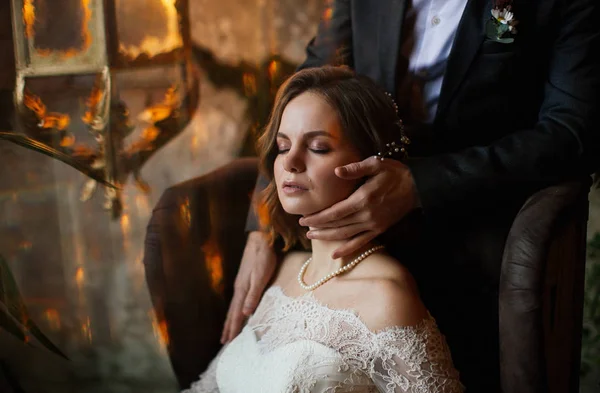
<point>331,275</point>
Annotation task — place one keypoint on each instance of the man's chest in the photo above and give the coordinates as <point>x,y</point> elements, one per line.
<point>452,33</point>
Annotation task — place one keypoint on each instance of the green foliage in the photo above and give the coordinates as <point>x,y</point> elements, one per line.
<point>14,317</point>
<point>590,345</point>
<point>496,31</point>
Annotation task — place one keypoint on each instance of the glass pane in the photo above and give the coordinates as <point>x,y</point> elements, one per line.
<point>157,35</point>
<point>61,27</point>
<point>59,36</point>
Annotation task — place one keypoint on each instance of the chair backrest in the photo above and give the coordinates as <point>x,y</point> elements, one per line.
<point>194,244</point>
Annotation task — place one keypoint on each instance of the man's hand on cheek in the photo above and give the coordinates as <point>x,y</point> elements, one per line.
<point>386,197</point>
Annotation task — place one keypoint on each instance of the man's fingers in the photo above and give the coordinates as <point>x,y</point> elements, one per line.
<point>225,333</point>
<point>354,245</point>
<point>355,218</point>
<point>367,167</point>
<point>341,233</point>
<point>253,297</point>
<point>235,325</point>
<point>233,314</point>
<point>226,325</point>
<point>340,210</point>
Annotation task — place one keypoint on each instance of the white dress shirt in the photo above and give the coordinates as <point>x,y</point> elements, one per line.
<point>428,34</point>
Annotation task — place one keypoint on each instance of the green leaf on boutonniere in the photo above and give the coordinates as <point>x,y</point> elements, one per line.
<point>505,40</point>
<point>495,30</point>
<point>502,29</point>
<point>491,29</point>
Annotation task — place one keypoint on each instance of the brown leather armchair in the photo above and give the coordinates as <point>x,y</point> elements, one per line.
<point>195,241</point>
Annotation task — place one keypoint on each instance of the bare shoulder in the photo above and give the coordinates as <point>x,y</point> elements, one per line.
<point>393,297</point>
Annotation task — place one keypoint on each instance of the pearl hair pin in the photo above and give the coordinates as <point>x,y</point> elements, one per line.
<point>337,272</point>
<point>393,147</point>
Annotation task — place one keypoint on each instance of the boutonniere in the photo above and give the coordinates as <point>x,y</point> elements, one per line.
<point>502,25</point>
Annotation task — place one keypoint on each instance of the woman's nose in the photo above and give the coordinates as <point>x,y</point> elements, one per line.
<point>294,161</point>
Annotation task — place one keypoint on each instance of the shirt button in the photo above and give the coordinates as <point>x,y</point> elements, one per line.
<point>435,21</point>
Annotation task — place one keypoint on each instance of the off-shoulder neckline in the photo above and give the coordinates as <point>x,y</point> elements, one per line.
<point>310,297</point>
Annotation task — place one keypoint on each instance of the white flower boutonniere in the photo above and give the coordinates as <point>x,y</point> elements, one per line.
<point>502,24</point>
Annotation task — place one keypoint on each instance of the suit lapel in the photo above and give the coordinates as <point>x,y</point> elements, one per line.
<point>391,17</point>
<point>469,37</point>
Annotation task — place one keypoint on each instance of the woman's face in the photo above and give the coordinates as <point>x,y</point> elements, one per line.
<point>311,145</point>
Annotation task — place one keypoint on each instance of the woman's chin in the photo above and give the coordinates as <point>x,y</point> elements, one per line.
<point>299,209</point>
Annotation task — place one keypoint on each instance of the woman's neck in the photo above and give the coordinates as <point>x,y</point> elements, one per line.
<point>322,262</point>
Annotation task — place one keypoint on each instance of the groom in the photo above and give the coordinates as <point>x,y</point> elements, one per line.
<point>500,99</point>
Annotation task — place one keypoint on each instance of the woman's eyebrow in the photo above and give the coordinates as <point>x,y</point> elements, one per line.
<point>312,134</point>
<point>309,134</point>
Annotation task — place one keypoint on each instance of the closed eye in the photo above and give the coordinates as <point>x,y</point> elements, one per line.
<point>320,151</point>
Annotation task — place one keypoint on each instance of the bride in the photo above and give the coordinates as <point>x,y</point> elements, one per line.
<point>330,325</point>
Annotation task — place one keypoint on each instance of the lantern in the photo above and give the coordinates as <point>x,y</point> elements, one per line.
<point>74,61</point>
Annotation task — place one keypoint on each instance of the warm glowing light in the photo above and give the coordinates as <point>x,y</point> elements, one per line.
<point>28,17</point>
<point>34,103</point>
<point>327,14</point>
<point>79,276</point>
<point>125,223</point>
<point>273,68</point>
<point>155,113</point>
<point>214,264</point>
<point>161,111</point>
<point>152,45</point>
<point>67,140</point>
<point>185,212</point>
<point>249,84</point>
<point>142,205</point>
<point>125,229</point>
<point>150,133</point>
<point>85,31</point>
<point>55,120</point>
<point>48,120</point>
<point>160,330</point>
<point>86,329</point>
<point>92,103</point>
<point>53,318</point>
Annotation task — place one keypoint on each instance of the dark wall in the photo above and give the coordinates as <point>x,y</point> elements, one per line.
<point>7,58</point>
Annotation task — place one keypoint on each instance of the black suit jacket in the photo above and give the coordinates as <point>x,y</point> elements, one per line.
<point>512,118</point>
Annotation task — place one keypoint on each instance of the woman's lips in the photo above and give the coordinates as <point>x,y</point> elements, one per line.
<point>293,188</point>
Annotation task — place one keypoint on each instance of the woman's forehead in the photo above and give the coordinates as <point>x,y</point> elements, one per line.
<point>309,112</point>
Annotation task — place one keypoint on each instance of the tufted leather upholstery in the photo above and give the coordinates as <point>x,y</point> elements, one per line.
<point>195,241</point>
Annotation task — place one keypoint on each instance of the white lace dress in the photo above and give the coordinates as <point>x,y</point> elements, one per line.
<point>298,345</point>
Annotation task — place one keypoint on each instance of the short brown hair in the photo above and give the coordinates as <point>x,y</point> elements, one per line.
<point>367,117</point>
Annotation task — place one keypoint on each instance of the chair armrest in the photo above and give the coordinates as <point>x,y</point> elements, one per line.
<point>547,235</point>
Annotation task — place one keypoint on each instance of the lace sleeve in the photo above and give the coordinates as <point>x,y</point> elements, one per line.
<point>414,359</point>
<point>208,379</point>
